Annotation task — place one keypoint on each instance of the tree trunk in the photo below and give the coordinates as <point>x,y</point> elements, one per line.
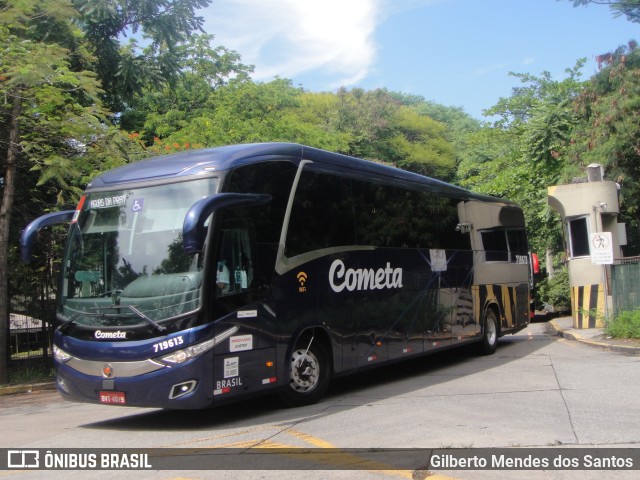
<point>13,152</point>
<point>549,261</point>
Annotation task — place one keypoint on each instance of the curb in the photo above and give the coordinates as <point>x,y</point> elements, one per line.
<point>27,388</point>
<point>611,346</point>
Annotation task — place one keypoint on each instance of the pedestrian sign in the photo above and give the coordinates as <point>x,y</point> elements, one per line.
<point>601,248</point>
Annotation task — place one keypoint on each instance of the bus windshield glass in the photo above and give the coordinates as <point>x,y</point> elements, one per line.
<point>124,264</point>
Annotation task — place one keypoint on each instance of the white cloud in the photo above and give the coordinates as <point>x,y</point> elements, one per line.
<point>292,37</point>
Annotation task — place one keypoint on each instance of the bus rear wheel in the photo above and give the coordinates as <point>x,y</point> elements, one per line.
<point>489,333</point>
<point>308,373</point>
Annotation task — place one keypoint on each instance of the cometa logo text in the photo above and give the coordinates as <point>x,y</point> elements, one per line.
<point>341,277</point>
<point>110,335</point>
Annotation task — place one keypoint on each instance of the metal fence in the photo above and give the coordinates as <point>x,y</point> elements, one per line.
<point>31,318</point>
<point>625,284</point>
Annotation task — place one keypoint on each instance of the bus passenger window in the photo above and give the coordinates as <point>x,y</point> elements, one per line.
<point>494,243</point>
<point>234,268</point>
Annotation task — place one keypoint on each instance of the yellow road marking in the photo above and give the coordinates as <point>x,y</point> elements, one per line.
<point>335,458</point>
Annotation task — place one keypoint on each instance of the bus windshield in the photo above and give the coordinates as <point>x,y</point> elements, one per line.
<point>124,263</point>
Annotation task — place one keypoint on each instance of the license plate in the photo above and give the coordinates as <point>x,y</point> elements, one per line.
<point>113,398</point>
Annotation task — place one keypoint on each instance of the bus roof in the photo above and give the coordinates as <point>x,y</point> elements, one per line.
<point>208,161</point>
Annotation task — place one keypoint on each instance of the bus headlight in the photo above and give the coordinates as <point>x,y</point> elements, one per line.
<point>181,356</point>
<point>60,355</point>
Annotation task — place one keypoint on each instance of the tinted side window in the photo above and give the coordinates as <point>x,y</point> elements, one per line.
<point>494,243</point>
<point>517,240</point>
<point>395,217</point>
<point>504,245</point>
<point>332,211</point>
<point>322,214</point>
<point>274,178</point>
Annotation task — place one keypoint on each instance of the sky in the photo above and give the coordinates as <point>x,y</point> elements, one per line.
<point>453,52</point>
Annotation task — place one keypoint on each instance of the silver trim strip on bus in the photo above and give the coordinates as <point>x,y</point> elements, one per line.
<point>132,369</point>
<point>120,369</point>
<point>285,264</point>
<point>282,265</point>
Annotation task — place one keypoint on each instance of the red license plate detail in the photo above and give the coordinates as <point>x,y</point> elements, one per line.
<point>113,398</point>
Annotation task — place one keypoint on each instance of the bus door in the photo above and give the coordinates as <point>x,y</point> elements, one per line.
<point>245,360</point>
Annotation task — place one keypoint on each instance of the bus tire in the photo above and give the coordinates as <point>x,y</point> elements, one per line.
<point>308,373</point>
<point>490,333</point>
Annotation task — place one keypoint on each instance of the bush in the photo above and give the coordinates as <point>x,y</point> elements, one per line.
<point>624,325</point>
<point>555,291</point>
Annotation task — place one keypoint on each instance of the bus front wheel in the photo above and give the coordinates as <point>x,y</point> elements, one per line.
<point>308,373</point>
<point>489,333</point>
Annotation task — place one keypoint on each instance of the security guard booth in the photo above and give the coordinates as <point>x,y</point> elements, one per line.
<point>589,212</point>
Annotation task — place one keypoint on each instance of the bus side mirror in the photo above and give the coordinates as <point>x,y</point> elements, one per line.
<point>29,233</point>
<point>193,230</point>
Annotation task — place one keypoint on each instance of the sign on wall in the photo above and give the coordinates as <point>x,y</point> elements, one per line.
<point>601,248</point>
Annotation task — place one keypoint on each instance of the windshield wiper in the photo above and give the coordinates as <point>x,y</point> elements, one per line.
<point>159,327</point>
<point>64,321</point>
<point>132,308</point>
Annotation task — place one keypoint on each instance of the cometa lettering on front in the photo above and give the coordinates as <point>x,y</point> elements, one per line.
<point>110,335</point>
<point>341,277</point>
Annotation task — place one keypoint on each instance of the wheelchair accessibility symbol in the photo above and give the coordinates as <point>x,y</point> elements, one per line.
<point>138,203</point>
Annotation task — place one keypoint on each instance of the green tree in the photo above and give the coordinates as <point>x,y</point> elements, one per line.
<point>163,110</point>
<point>124,70</point>
<point>388,127</point>
<point>460,127</point>
<point>628,8</point>
<point>609,131</point>
<point>245,111</point>
<point>526,149</point>
<point>420,144</point>
<point>51,113</point>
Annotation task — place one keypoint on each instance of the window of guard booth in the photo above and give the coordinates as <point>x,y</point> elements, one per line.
<point>235,264</point>
<point>578,237</point>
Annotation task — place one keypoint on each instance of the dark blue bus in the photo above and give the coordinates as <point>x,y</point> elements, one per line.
<point>206,276</point>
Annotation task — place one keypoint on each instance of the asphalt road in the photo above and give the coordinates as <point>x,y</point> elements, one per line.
<point>538,390</point>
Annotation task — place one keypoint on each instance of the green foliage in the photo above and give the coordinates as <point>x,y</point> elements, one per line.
<point>124,70</point>
<point>524,151</point>
<point>29,373</point>
<point>162,110</point>
<point>555,291</point>
<point>624,325</point>
<point>628,8</point>
<point>371,125</point>
<point>609,131</point>
<point>421,145</point>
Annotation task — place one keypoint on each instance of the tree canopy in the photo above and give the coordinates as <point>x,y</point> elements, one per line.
<point>628,8</point>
